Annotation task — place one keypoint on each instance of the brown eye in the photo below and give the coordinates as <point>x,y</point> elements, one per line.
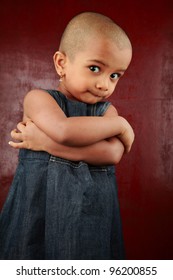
<point>115,76</point>
<point>95,69</point>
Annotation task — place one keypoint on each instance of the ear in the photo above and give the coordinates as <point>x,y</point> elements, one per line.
<point>59,59</point>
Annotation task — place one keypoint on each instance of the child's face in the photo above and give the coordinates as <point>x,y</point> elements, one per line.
<point>94,73</point>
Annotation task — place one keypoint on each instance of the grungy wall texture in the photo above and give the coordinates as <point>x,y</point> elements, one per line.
<point>30,31</point>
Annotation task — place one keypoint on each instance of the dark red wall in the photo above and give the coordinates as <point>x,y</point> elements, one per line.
<point>29,34</point>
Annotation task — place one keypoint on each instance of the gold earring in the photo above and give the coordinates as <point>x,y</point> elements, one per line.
<point>61,76</point>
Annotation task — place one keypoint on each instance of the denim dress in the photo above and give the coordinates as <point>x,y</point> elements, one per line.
<point>60,209</point>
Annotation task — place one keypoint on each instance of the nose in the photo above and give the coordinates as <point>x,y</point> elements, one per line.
<point>102,84</point>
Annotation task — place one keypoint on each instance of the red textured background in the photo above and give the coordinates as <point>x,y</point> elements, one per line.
<point>29,34</point>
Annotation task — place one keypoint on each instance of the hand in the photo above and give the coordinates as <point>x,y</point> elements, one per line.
<point>27,136</point>
<point>127,136</point>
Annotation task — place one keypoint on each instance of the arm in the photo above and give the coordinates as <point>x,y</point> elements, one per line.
<point>42,109</point>
<point>104,152</point>
<point>31,137</point>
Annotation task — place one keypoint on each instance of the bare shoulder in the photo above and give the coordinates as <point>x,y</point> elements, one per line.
<point>37,97</point>
<point>39,102</point>
<point>111,111</point>
<point>35,93</point>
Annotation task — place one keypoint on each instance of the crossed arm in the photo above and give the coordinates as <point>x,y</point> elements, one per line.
<point>91,139</point>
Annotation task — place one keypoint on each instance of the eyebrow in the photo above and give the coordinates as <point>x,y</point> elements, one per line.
<point>98,61</point>
<point>104,64</point>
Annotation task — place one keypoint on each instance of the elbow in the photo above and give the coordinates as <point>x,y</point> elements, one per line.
<point>117,154</point>
<point>113,156</point>
<point>117,158</point>
<point>116,150</point>
<point>63,136</point>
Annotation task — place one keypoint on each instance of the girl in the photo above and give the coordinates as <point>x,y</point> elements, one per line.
<point>63,201</point>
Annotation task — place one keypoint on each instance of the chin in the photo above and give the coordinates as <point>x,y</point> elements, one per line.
<point>91,101</point>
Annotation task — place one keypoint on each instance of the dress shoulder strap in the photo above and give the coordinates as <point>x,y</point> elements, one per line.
<point>98,109</point>
<point>60,99</point>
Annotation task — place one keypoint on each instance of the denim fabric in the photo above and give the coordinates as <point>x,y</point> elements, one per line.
<point>59,209</point>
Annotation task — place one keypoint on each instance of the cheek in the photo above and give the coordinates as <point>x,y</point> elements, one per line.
<point>113,87</point>
<point>78,79</point>
<point>75,83</point>
<point>71,78</point>
<point>115,84</point>
<point>81,81</point>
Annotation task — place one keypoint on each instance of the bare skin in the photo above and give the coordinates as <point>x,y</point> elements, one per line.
<point>95,76</point>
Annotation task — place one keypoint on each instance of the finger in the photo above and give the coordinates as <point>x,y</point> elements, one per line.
<point>15,134</point>
<point>28,121</point>
<point>21,126</point>
<point>14,130</point>
<point>16,145</point>
<point>128,150</point>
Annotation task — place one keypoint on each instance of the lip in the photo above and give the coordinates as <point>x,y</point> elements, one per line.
<point>97,95</point>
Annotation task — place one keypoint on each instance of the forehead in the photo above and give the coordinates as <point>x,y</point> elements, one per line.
<point>105,51</point>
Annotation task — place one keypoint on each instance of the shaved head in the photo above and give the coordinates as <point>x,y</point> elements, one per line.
<point>89,25</point>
